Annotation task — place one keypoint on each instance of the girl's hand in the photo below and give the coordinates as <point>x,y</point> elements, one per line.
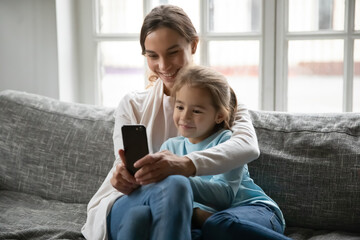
<point>122,180</point>
<point>156,167</point>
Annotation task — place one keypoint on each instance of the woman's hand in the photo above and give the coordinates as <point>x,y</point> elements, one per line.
<point>122,180</point>
<point>155,167</point>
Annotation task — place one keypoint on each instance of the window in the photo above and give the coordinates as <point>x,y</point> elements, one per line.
<point>315,62</point>
<point>311,64</point>
<point>318,51</point>
<point>121,69</point>
<point>356,88</point>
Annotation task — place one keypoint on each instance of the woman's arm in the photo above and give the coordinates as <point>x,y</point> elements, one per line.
<point>239,150</point>
<point>123,115</point>
<point>121,179</point>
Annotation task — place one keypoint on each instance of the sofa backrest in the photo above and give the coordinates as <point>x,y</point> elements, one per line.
<point>310,165</point>
<point>53,149</point>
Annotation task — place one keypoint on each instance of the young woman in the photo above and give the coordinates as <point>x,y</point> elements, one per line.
<point>168,40</point>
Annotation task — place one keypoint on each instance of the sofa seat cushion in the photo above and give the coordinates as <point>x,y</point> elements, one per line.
<point>296,233</point>
<point>25,216</point>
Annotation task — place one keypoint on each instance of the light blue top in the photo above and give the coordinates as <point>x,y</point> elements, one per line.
<point>217,192</point>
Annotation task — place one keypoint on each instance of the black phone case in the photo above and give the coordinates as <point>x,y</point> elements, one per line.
<point>135,145</point>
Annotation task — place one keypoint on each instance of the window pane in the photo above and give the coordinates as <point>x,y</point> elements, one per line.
<point>121,70</point>
<point>191,7</point>
<point>239,62</point>
<point>234,16</point>
<point>357,15</point>
<point>315,76</point>
<point>120,16</point>
<point>316,15</point>
<point>356,103</point>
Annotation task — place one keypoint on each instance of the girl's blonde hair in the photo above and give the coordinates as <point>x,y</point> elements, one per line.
<point>222,95</point>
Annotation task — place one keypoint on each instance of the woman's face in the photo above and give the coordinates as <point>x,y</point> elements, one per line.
<point>167,52</point>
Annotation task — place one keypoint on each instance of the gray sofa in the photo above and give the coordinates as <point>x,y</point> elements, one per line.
<point>55,155</point>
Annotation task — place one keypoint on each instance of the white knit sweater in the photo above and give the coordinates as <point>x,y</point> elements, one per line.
<point>143,108</point>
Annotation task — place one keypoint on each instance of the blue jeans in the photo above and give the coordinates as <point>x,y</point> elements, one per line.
<point>249,222</point>
<point>163,211</point>
<point>158,211</point>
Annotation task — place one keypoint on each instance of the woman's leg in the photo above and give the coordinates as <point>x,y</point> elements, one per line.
<point>244,222</point>
<point>168,215</point>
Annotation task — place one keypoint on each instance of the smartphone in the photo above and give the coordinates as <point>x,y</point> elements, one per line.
<point>135,145</point>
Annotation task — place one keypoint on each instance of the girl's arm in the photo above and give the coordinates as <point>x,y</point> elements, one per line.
<point>219,192</point>
<point>239,150</point>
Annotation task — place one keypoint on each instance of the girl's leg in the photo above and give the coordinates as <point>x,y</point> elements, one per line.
<point>167,212</point>
<point>245,222</point>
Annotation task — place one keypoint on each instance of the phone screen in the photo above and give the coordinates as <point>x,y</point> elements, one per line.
<point>135,144</point>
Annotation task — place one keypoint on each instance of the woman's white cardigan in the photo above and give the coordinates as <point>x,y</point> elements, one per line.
<point>143,108</point>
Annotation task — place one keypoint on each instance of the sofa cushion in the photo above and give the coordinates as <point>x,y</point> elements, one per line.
<point>25,216</point>
<point>306,233</point>
<point>310,165</point>
<point>53,149</point>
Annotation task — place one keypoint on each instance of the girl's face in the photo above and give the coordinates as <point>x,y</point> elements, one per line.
<point>195,116</point>
<point>167,52</point>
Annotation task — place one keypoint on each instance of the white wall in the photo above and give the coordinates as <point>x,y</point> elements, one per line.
<point>28,47</point>
<point>89,86</point>
<point>67,42</point>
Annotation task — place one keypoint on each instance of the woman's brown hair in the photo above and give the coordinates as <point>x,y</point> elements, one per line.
<point>169,16</point>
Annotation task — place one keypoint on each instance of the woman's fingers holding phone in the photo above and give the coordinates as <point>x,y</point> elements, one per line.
<point>156,167</point>
<point>120,183</point>
<point>125,173</point>
<point>122,180</point>
<point>148,169</point>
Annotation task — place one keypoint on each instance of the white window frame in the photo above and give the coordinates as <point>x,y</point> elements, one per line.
<point>283,37</point>
<point>273,39</point>
<point>92,92</point>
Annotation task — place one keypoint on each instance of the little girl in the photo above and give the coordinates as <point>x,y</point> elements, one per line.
<point>204,113</point>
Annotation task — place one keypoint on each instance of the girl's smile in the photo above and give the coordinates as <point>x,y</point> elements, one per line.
<point>194,114</point>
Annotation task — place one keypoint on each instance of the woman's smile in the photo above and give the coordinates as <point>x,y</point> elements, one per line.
<point>167,75</point>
